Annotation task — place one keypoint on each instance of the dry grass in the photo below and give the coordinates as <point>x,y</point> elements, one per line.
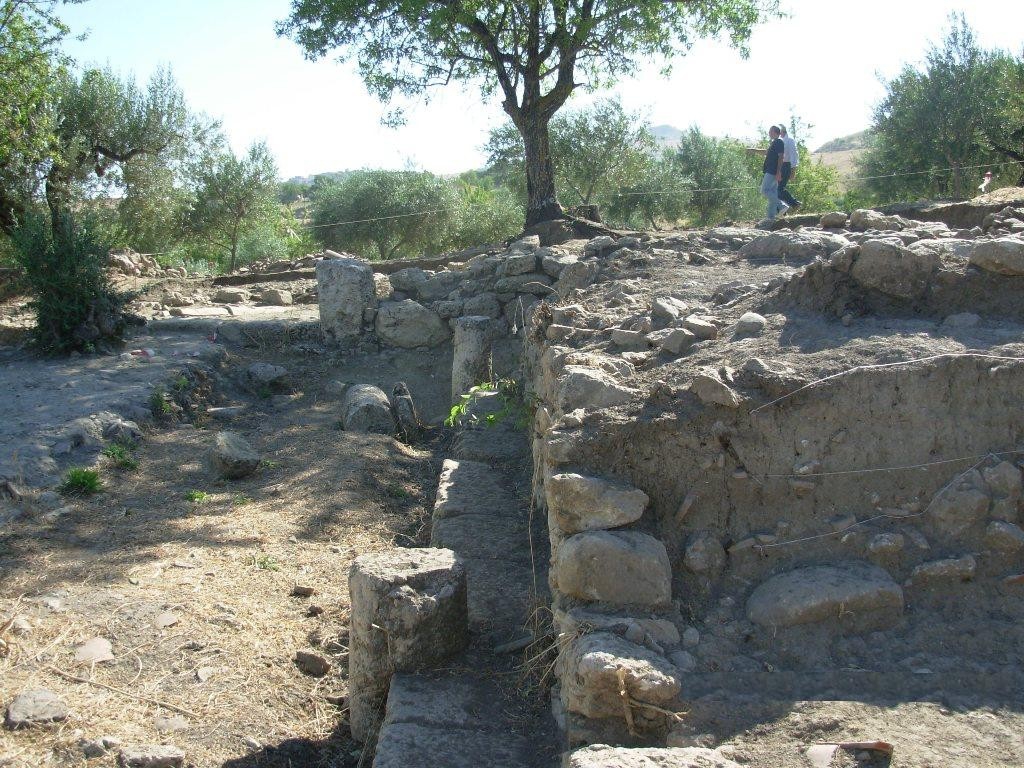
<point>196,598</point>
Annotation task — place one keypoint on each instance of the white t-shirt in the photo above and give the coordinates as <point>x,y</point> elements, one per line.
<point>791,155</point>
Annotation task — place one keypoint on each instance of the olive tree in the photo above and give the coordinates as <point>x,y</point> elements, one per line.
<point>233,195</point>
<point>534,53</point>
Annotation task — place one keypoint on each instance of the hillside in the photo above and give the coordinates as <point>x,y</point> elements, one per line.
<point>857,140</point>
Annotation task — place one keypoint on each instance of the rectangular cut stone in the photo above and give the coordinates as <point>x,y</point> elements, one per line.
<point>345,288</point>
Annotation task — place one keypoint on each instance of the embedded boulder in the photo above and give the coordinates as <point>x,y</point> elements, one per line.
<point>1004,256</point>
<point>408,324</point>
<point>864,593</point>
<point>367,409</point>
<point>580,503</point>
<point>233,457</point>
<point>893,269</point>
<point>620,567</point>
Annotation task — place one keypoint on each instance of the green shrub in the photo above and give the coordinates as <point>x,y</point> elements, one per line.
<point>197,497</point>
<point>81,482</point>
<point>64,270</point>
<point>121,455</point>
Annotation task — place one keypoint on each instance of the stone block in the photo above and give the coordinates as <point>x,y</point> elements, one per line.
<point>408,612</point>
<point>828,594</point>
<point>471,353</point>
<point>408,324</point>
<point>1004,256</point>
<point>345,288</point>
<point>233,457</point>
<point>595,667</point>
<point>618,567</point>
<point>367,409</point>
<point>894,270</point>
<point>579,503</point>
<point>958,509</point>
<point>603,756</point>
<point>584,387</point>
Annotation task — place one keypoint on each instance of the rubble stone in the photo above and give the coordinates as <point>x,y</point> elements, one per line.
<point>619,567</point>
<point>578,503</point>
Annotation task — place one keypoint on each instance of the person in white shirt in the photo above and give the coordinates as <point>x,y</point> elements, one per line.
<point>790,160</point>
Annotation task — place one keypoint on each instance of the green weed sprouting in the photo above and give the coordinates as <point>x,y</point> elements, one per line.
<point>514,405</point>
<point>81,482</point>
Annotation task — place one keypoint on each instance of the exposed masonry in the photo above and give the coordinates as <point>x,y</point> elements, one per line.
<point>741,518</point>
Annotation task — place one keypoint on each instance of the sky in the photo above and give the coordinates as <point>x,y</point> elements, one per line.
<point>826,62</point>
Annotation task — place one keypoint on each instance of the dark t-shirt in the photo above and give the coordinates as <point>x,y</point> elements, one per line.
<point>771,160</point>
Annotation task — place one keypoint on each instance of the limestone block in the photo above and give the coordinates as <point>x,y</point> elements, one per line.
<point>619,567</point>
<point>937,572</point>
<point>554,263</point>
<point>518,263</point>
<point>894,270</point>
<point>665,310</point>
<point>382,285</point>
<point>231,296</point>
<point>751,324</point>
<point>709,388</point>
<point>583,387</point>
<point>471,353</point>
<point>438,285</point>
<point>151,756</point>
<point>409,280</point>
<point>35,706</point>
<point>579,274</point>
<point>580,620</point>
<point>1004,537</point>
<point>862,220</point>
<point>1004,256</point>
<point>835,220</point>
<point>533,282</point>
<point>629,340</point>
<point>233,457</point>
<point>409,612</point>
<point>958,509</point>
<point>267,374</point>
<point>603,756</point>
<point>792,245</point>
<point>408,324</point>
<point>704,553</point>
<point>1003,480</point>
<point>599,245</point>
<point>581,503</point>
<point>827,594</point>
<point>701,326</point>
<point>276,297</point>
<point>590,669</point>
<point>675,341</point>
<point>366,409</point>
<point>484,304</point>
<point>345,288</point>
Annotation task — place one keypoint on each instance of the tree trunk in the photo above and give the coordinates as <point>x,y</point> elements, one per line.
<point>58,194</point>
<point>958,182</point>
<point>542,202</point>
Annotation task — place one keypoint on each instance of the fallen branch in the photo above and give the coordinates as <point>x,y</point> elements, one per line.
<point>127,694</point>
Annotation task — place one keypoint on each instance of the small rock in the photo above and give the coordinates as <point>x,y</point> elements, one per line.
<point>267,374</point>
<point>165,620</point>
<point>949,569</point>
<point>169,724</point>
<point>691,637</point>
<point>1004,537</point>
<point>151,756</point>
<point>35,707</point>
<point>205,673</point>
<point>21,626</point>
<point>94,651</point>
<point>231,296</point>
<point>751,324</point>
<point>233,457</point>
<point>885,545</point>
<point>629,340</point>
<point>300,590</point>
<point>958,509</point>
<point>312,664</point>
<point>276,297</point>
<point>701,326</point>
<point>92,748</point>
<point>251,743</point>
<point>710,389</point>
<point>704,553</point>
<point>676,341</point>
<point>683,660</point>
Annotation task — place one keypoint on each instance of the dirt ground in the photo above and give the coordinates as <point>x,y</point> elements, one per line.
<point>191,579</point>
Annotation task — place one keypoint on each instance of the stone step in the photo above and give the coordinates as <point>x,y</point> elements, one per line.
<point>459,720</point>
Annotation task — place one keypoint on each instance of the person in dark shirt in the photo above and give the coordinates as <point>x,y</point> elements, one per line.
<point>772,169</point>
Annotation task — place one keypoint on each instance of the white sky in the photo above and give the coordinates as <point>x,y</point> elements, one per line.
<point>824,62</point>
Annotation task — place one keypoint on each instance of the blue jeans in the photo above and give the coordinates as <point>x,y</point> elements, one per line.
<point>770,189</point>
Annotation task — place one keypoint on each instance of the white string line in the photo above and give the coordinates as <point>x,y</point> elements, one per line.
<point>897,468</point>
<point>857,368</point>
<point>623,194</point>
<point>924,511</point>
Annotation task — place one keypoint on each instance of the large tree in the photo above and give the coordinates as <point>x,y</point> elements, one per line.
<point>233,194</point>
<point>933,119</point>
<point>30,36</point>
<point>534,52</point>
<point>103,122</point>
<point>1004,127</point>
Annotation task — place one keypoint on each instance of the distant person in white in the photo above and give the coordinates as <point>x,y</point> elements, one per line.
<point>790,160</point>
<point>986,181</point>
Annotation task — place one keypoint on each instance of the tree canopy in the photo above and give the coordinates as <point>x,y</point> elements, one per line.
<point>533,53</point>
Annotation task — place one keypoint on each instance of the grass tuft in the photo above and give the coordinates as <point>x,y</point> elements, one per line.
<point>197,497</point>
<point>81,482</point>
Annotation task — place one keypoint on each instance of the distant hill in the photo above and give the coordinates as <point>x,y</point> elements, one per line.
<point>667,134</point>
<point>857,140</point>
